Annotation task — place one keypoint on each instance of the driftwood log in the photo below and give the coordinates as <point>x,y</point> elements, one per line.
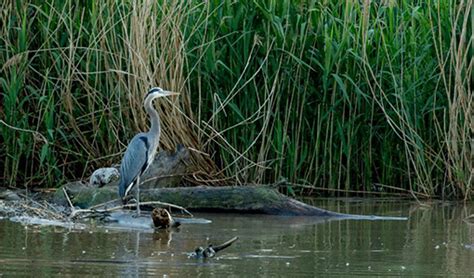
<point>159,181</point>
<point>159,184</point>
<point>241,199</point>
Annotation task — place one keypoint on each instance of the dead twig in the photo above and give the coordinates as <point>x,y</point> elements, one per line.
<point>225,244</point>
<point>41,209</point>
<point>104,204</point>
<point>68,200</point>
<point>36,135</point>
<point>74,211</point>
<point>151,203</point>
<point>94,209</point>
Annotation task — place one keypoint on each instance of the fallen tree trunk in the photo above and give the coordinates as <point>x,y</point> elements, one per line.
<point>242,199</point>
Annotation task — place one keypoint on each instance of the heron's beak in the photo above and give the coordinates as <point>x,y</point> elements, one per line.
<point>169,93</point>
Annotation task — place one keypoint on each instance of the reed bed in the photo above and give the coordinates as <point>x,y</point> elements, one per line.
<point>336,97</point>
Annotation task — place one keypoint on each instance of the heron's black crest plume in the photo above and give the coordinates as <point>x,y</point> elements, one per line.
<point>154,90</point>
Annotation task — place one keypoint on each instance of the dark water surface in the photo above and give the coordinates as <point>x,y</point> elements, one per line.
<point>435,241</point>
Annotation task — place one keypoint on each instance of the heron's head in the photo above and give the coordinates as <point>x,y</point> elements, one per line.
<point>158,92</point>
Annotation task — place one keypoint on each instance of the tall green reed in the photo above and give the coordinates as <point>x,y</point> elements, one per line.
<point>336,97</point>
<point>340,96</point>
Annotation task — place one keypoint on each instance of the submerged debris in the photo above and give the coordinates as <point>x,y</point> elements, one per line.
<point>210,251</point>
<point>162,219</point>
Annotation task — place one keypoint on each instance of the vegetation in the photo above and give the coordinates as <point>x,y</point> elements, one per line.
<point>338,97</point>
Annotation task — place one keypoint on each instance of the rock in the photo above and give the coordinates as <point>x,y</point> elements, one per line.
<point>103,176</point>
<point>167,169</point>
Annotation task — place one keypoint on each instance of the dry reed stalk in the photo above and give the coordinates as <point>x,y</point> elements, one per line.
<point>458,80</point>
<point>156,57</point>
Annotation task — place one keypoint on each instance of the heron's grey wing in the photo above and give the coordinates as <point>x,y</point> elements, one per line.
<point>133,163</point>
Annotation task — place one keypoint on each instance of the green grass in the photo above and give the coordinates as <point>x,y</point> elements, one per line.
<point>336,97</point>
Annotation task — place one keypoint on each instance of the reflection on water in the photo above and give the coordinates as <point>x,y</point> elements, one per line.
<point>434,241</point>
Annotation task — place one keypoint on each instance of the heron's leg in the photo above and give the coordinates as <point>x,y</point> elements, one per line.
<point>138,196</point>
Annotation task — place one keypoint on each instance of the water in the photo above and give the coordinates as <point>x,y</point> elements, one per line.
<point>435,241</point>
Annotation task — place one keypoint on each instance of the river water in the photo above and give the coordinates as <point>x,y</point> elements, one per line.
<point>434,241</point>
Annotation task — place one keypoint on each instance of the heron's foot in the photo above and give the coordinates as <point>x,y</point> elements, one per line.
<point>131,200</point>
<point>138,211</point>
<point>137,207</point>
<point>128,199</point>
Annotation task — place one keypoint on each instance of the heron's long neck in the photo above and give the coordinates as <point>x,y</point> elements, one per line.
<point>154,117</point>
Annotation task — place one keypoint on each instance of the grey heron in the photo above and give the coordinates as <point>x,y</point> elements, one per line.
<point>142,149</point>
